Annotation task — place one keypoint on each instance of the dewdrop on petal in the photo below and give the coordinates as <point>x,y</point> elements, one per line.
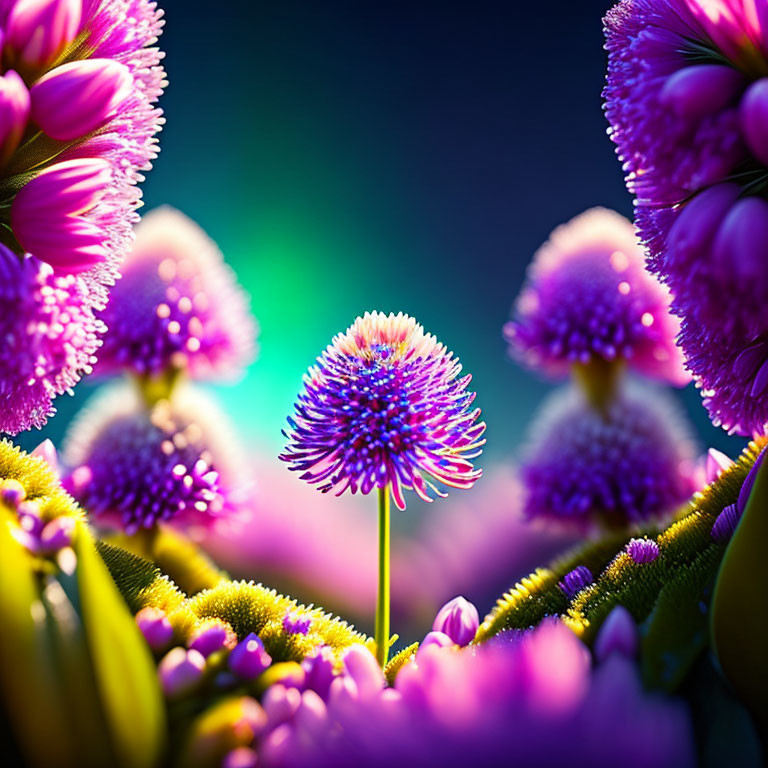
<point>177,306</point>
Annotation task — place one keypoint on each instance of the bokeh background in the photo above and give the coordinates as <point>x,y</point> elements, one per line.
<point>390,155</point>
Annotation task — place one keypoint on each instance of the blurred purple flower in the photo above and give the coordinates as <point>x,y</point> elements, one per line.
<point>177,305</point>
<point>134,467</point>
<point>68,191</point>
<point>533,700</point>
<point>458,619</point>
<point>686,98</point>
<point>588,296</point>
<point>633,463</point>
<point>386,406</point>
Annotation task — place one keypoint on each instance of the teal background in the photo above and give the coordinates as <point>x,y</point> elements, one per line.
<point>397,156</point>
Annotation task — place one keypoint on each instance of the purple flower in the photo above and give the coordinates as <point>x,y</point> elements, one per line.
<point>134,467</point>
<point>459,620</point>
<point>686,98</point>
<point>617,634</point>
<point>456,707</point>
<point>642,550</point>
<point>386,406</point>
<point>726,522</point>
<point>155,627</point>
<point>632,463</point>
<point>180,671</point>
<point>87,112</point>
<point>211,637</point>
<point>248,659</point>
<point>50,336</point>
<point>177,305</point>
<point>296,624</point>
<point>588,296</point>
<point>574,581</point>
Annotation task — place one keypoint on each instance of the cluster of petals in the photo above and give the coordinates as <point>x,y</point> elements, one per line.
<point>386,407</point>
<point>534,696</point>
<point>78,120</point>
<point>588,296</point>
<point>687,100</point>
<point>176,306</point>
<point>634,462</point>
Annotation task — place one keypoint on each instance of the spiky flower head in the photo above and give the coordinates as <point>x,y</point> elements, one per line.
<point>687,99</point>
<point>77,129</point>
<point>175,463</point>
<point>177,305</point>
<point>629,464</point>
<point>386,406</point>
<point>50,336</point>
<point>588,296</point>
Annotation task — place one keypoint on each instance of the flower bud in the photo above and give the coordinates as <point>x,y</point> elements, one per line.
<point>296,624</point>
<point>642,550</point>
<point>37,31</point>
<point>753,114</point>
<point>12,492</point>
<point>155,627</point>
<point>57,534</point>
<point>716,463</point>
<point>212,637</point>
<point>45,214</point>
<point>618,634</point>
<point>574,581</point>
<point>318,669</point>
<point>77,98</point>
<point>363,669</point>
<point>180,671</point>
<point>14,113</point>
<point>741,243</point>
<point>248,658</point>
<point>435,640</point>
<point>700,90</point>
<point>459,620</point>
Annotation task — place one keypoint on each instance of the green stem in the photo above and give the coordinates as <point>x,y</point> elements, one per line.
<point>382,602</point>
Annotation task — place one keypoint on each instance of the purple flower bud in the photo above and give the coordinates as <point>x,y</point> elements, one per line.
<point>435,640</point>
<point>749,481</point>
<point>45,214</point>
<point>180,671</point>
<point>754,119</point>
<point>725,524</point>
<point>57,534</point>
<point>459,620</point>
<point>741,244</point>
<point>296,624</point>
<point>717,462</point>
<point>642,550</point>
<point>318,668</point>
<point>700,90</point>
<point>574,581</point>
<point>618,634</point>
<point>76,98</point>
<point>29,518</point>
<point>14,113</point>
<point>12,492</point>
<point>211,638</point>
<point>248,658</point>
<point>280,704</point>
<point>155,627</point>
<point>37,31</point>
<point>242,757</point>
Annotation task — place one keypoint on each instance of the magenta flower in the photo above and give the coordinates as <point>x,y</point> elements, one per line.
<point>50,315</point>
<point>687,96</point>
<point>459,620</point>
<point>77,129</point>
<point>631,464</point>
<point>588,296</point>
<point>177,306</point>
<point>386,407</point>
<point>533,699</point>
<point>176,463</point>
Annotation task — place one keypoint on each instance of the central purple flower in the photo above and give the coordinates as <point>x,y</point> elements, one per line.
<point>687,99</point>
<point>386,405</point>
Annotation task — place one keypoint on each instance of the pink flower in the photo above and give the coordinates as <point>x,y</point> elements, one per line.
<point>14,112</point>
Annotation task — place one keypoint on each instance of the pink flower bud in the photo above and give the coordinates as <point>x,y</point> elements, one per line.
<point>37,31</point>
<point>45,214</point>
<point>57,534</point>
<point>180,670</point>
<point>459,620</point>
<point>46,451</point>
<point>77,98</point>
<point>14,113</point>
<point>155,627</point>
<point>249,658</point>
<point>716,463</point>
<point>754,119</point>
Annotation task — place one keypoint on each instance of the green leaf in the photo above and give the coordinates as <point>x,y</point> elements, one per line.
<point>123,665</point>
